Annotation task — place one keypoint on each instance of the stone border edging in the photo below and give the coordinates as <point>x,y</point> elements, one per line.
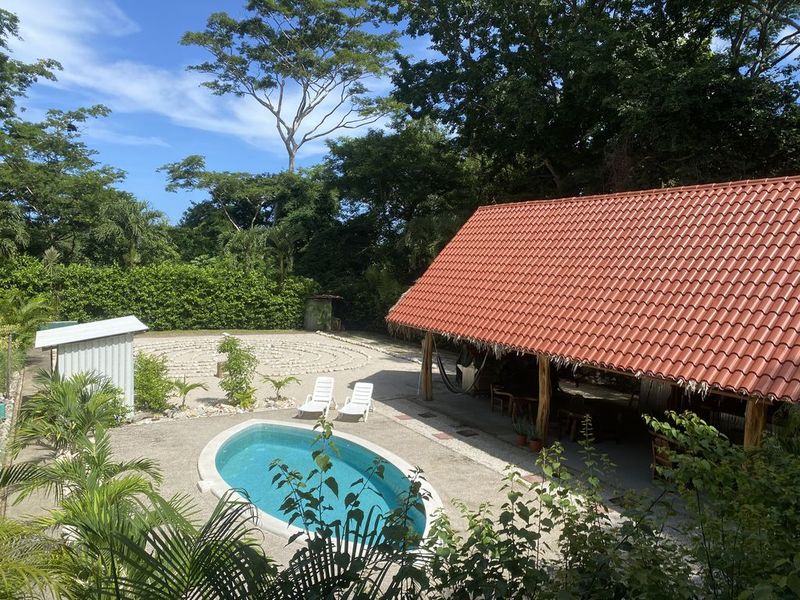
<point>339,338</point>
<point>6,460</point>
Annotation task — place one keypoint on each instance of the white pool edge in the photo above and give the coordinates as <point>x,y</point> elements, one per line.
<point>211,480</point>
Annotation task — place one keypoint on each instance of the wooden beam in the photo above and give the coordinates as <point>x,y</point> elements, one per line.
<point>543,413</point>
<point>755,420</point>
<point>427,367</point>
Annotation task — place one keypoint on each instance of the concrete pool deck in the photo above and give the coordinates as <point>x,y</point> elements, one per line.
<point>176,446</point>
<point>462,449</point>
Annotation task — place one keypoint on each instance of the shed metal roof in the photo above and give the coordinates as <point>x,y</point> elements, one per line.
<point>49,338</point>
<point>697,284</point>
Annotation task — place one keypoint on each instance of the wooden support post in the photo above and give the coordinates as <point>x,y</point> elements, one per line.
<point>427,367</point>
<point>755,420</point>
<point>543,414</point>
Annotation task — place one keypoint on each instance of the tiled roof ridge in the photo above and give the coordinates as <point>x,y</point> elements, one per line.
<point>648,191</point>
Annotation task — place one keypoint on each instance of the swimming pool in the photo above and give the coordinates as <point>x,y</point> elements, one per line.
<point>239,458</point>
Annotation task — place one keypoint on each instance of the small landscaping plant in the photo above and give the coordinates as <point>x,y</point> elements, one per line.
<point>238,371</point>
<point>534,439</point>
<point>520,425</point>
<point>151,385</point>
<point>279,384</point>
<point>183,388</point>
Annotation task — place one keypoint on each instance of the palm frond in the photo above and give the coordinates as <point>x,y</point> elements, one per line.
<point>219,560</point>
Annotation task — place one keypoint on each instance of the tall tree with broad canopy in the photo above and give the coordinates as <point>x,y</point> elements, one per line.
<point>305,61</point>
<point>584,96</point>
<point>16,76</point>
<point>54,196</point>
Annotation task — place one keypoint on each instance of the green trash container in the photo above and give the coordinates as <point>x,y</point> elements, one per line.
<point>2,410</point>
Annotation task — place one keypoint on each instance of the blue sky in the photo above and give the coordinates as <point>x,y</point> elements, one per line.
<point>126,55</point>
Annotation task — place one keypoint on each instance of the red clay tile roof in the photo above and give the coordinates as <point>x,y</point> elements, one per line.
<point>694,284</point>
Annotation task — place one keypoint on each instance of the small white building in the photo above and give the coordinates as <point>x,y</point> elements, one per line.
<point>103,347</point>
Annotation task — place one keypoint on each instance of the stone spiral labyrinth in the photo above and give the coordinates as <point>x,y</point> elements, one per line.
<point>278,355</point>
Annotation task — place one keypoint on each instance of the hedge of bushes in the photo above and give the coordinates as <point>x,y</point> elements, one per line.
<point>166,296</point>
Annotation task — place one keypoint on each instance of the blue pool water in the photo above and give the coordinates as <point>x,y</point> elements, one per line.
<point>243,462</point>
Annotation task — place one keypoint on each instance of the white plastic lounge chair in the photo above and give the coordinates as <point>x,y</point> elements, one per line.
<point>322,398</point>
<point>360,403</point>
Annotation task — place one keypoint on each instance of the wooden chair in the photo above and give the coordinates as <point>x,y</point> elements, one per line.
<point>498,397</point>
<point>662,453</point>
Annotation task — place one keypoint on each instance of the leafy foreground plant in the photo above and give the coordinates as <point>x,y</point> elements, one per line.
<point>369,554</point>
<point>743,506</point>
<point>179,559</point>
<point>556,539</point>
<point>121,539</point>
<point>238,371</point>
<point>550,539</point>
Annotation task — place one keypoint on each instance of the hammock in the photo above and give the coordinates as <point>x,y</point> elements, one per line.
<point>448,383</point>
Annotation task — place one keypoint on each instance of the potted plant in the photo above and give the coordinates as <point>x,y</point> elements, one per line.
<point>534,440</point>
<point>520,425</point>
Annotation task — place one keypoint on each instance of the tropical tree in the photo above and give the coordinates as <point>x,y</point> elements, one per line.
<point>13,233</point>
<point>321,52</point>
<point>246,200</point>
<point>16,76</point>
<point>133,231</point>
<point>402,179</point>
<point>21,315</point>
<point>184,388</point>
<point>582,97</point>
<point>246,249</point>
<point>281,241</point>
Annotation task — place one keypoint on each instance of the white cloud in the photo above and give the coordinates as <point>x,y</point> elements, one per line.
<point>95,131</point>
<point>71,32</point>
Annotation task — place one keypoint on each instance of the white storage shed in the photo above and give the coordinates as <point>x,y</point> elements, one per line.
<point>104,347</point>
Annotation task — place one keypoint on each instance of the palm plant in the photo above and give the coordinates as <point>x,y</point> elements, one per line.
<point>51,261</point>
<point>244,248</point>
<point>184,388</point>
<point>99,500</point>
<point>67,409</point>
<point>219,559</point>
<point>13,231</point>
<point>129,223</point>
<point>279,384</point>
<point>21,315</point>
<point>281,242</point>
<point>31,562</point>
<point>89,466</point>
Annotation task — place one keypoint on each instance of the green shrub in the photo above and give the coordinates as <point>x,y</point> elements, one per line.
<point>151,385</point>
<point>742,508</point>
<point>237,372</point>
<point>167,295</point>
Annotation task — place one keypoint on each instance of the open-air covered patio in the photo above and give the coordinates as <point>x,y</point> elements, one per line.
<point>615,307</point>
